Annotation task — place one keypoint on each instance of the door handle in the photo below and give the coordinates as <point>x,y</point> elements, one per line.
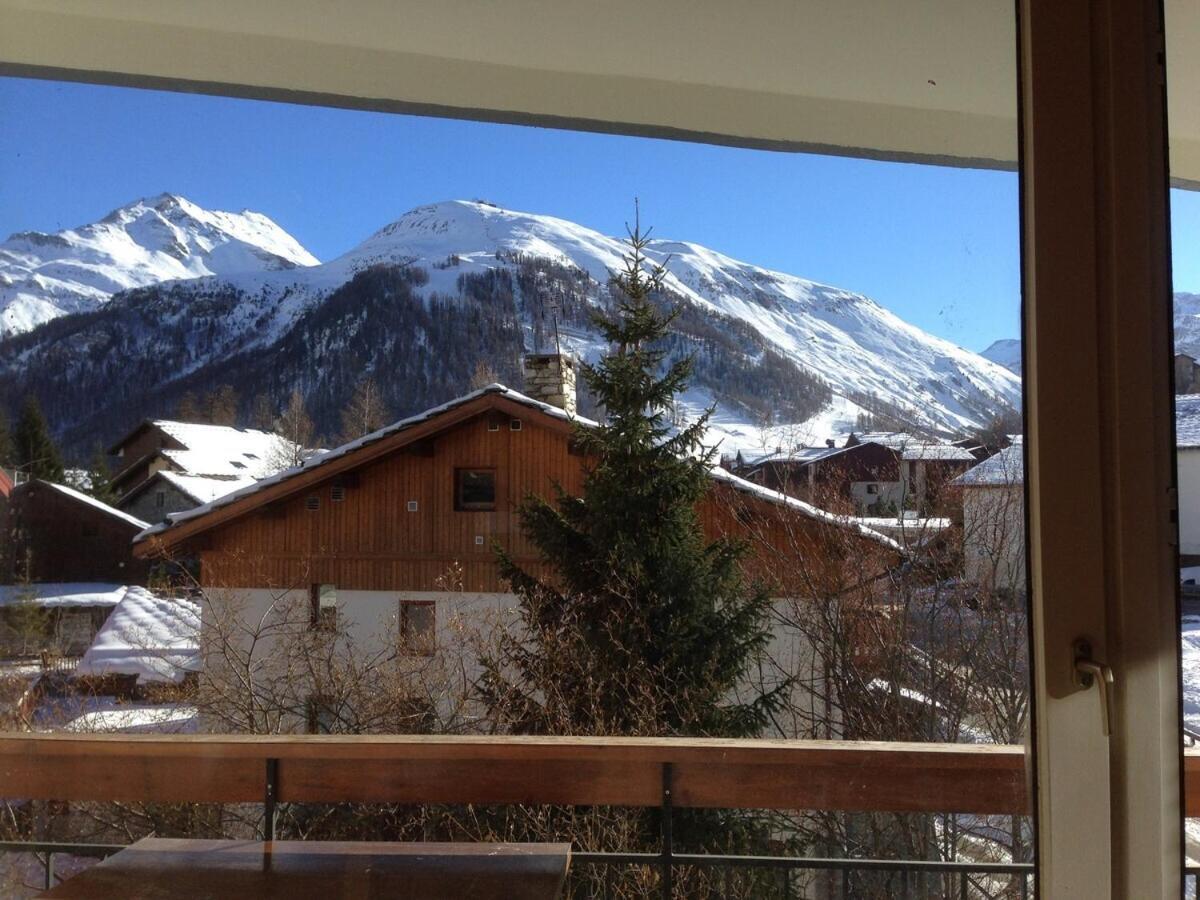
<point>1087,672</point>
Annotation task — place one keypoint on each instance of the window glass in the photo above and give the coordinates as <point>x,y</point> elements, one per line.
<point>475,489</point>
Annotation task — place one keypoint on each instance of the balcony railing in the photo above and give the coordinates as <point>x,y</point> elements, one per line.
<point>563,771</point>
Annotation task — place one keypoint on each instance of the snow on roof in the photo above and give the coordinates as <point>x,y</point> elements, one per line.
<point>807,509</point>
<point>202,488</point>
<point>1004,468</point>
<point>800,455</point>
<point>92,501</point>
<point>1187,421</point>
<point>111,717</point>
<point>222,449</point>
<point>937,452</point>
<point>148,636</point>
<point>501,390</point>
<point>63,594</point>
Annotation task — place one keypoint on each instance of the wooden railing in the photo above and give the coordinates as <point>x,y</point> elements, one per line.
<point>753,774</point>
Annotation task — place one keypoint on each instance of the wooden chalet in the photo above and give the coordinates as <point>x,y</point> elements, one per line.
<point>163,466</point>
<point>57,534</point>
<point>399,510</point>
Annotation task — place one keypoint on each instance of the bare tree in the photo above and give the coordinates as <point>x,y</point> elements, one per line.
<point>366,412</point>
<point>294,429</point>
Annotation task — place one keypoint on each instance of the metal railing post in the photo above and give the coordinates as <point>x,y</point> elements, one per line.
<point>270,797</point>
<point>668,846</point>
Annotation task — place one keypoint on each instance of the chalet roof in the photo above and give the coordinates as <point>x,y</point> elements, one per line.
<point>148,636</point>
<point>498,391</point>
<point>1187,421</point>
<point>199,489</point>
<point>1004,468</point>
<point>214,450</point>
<point>912,447</point>
<point>93,502</point>
<point>48,594</point>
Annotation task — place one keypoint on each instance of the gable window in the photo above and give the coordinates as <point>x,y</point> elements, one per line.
<point>322,600</point>
<point>872,489</point>
<point>474,489</point>
<point>312,503</point>
<point>418,619</point>
<point>337,493</point>
<point>160,499</point>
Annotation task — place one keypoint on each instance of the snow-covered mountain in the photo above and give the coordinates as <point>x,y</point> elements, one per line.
<point>423,300</point>
<point>43,276</point>
<point>1006,352</point>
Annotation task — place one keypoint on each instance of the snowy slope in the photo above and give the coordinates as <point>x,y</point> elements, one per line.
<point>856,345</point>
<point>771,341</point>
<point>1006,352</point>
<point>43,276</point>
<point>847,339</point>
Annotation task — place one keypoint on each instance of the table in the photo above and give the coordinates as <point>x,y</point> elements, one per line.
<point>164,868</point>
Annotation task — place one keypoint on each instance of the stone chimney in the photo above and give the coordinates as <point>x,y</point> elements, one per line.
<point>550,377</point>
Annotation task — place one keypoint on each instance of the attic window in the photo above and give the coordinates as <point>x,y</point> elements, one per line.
<point>250,455</point>
<point>312,503</point>
<point>474,489</point>
<point>493,426</point>
<point>236,464</point>
<point>514,425</point>
<point>337,493</point>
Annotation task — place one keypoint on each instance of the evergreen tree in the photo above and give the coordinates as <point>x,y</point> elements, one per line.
<point>366,412</point>
<point>643,627</point>
<point>5,441</point>
<point>34,452</point>
<point>100,486</point>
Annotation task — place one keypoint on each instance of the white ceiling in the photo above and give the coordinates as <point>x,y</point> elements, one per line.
<point>920,79</point>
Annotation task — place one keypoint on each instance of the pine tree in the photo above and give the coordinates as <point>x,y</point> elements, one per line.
<point>34,451</point>
<point>366,412</point>
<point>6,447</point>
<point>100,479</point>
<point>643,626</point>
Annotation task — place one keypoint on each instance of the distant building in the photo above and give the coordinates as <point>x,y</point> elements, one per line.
<point>57,534</point>
<point>993,513</point>
<point>1187,374</point>
<point>1187,463</point>
<point>925,465</point>
<point>865,477</point>
<point>165,466</point>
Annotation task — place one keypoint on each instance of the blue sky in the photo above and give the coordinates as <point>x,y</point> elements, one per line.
<point>937,246</point>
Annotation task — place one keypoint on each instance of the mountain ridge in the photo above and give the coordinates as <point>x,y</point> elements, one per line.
<point>773,350</point>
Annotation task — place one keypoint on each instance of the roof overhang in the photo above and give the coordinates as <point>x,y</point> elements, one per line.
<point>934,82</point>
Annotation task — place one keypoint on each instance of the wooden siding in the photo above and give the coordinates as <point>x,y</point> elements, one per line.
<point>371,541</point>
<point>57,538</point>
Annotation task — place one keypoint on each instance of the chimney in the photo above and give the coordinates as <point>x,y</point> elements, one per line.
<point>550,377</point>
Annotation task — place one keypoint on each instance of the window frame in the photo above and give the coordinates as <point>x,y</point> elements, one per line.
<point>461,505</point>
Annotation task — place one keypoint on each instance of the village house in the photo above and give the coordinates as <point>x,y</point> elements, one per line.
<point>395,534</point>
<point>1187,463</point>
<point>924,465</point>
<point>993,520</point>
<point>1187,374</point>
<point>164,466</point>
<point>67,556</point>
<point>864,477</point>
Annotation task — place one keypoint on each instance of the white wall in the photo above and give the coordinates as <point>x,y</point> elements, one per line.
<point>1188,468</point>
<point>994,536</point>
